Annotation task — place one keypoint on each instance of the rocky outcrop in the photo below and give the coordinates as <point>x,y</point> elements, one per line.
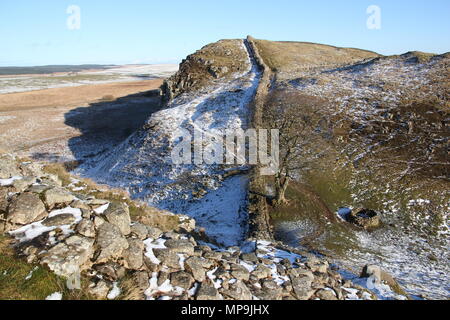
<point>214,61</point>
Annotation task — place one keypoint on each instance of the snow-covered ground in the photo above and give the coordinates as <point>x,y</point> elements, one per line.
<point>128,73</point>
<point>143,163</point>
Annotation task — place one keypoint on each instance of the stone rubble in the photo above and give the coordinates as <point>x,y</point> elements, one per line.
<point>109,249</point>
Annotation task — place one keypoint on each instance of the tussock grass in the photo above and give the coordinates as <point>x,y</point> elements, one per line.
<point>14,284</point>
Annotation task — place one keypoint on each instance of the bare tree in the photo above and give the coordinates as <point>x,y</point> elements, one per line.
<point>295,115</point>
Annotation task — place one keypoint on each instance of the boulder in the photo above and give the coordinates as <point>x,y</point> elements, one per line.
<point>118,214</point>
<point>69,257</point>
<point>134,255</point>
<point>207,292</point>
<point>240,272</point>
<point>301,286</point>
<point>57,196</point>
<point>168,258</point>
<point>22,184</point>
<point>100,290</point>
<point>182,279</point>
<point>3,200</point>
<point>26,208</point>
<point>59,220</point>
<point>110,243</point>
<point>238,291</point>
<point>86,228</point>
<point>139,230</point>
<point>326,294</point>
<point>8,167</point>
<point>195,265</point>
<point>180,246</point>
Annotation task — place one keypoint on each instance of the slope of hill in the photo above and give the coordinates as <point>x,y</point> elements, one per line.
<point>383,134</point>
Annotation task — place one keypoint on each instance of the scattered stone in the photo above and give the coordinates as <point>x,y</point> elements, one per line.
<point>180,246</point>
<point>238,291</point>
<point>240,272</point>
<point>57,196</point>
<point>67,258</point>
<point>100,290</point>
<point>302,287</point>
<point>182,279</point>
<point>26,208</point>
<point>110,242</point>
<point>134,255</point>
<point>207,292</point>
<point>139,230</point>
<point>86,228</point>
<point>22,184</point>
<point>59,220</point>
<point>118,214</point>
<point>195,265</point>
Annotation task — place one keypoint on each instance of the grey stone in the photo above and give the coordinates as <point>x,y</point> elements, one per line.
<point>134,255</point>
<point>59,220</point>
<point>69,257</point>
<point>207,292</point>
<point>182,279</point>
<point>261,271</point>
<point>168,258</point>
<point>240,272</point>
<point>110,242</point>
<point>154,233</point>
<point>22,184</point>
<point>195,265</point>
<point>324,294</point>
<point>180,246</point>
<point>86,228</point>
<point>57,196</point>
<point>118,214</point>
<point>8,167</point>
<point>139,230</point>
<point>238,291</point>
<point>26,208</point>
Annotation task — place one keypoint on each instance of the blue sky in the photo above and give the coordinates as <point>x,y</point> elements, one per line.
<point>148,31</point>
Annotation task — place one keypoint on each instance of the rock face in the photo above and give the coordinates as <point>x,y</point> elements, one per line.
<point>26,208</point>
<point>214,61</point>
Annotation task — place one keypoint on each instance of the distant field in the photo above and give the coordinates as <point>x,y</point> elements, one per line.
<point>50,69</point>
<point>129,73</point>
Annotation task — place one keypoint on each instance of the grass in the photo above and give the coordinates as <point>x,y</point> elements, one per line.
<point>294,56</point>
<point>15,286</point>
